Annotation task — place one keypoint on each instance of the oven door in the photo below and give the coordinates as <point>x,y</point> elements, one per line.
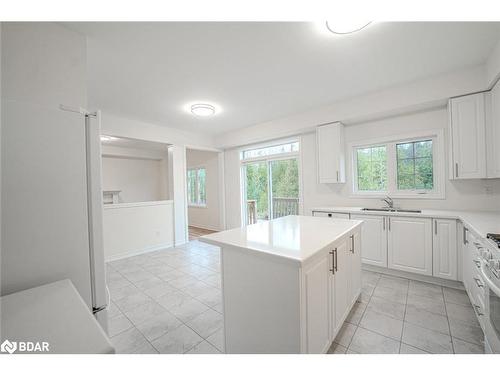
<point>492,324</point>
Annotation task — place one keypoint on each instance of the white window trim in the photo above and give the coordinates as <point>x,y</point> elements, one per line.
<point>197,205</point>
<point>438,160</point>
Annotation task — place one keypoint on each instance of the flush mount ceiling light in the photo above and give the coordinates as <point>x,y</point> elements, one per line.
<point>202,108</point>
<point>345,26</point>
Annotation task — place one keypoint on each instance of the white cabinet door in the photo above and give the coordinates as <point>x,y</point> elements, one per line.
<point>331,153</point>
<point>342,277</point>
<point>493,134</point>
<point>468,137</point>
<point>316,287</point>
<point>373,239</point>
<point>410,244</point>
<point>355,263</point>
<point>336,215</point>
<point>444,248</point>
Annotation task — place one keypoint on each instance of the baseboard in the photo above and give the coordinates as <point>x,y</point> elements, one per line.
<point>139,252</point>
<point>413,276</point>
<point>207,227</point>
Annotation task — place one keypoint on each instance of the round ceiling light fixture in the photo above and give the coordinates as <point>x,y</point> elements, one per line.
<point>203,109</point>
<point>345,26</point>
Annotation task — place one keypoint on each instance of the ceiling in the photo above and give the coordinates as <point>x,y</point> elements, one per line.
<point>263,71</point>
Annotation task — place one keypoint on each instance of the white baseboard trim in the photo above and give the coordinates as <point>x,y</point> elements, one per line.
<point>203,226</point>
<point>139,252</point>
<point>413,276</point>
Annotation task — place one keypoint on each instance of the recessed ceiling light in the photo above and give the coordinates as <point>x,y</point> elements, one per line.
<point>345,26</point>
<point>202,109</point>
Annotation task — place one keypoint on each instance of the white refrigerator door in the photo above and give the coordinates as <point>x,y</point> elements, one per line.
<point>45,210</point>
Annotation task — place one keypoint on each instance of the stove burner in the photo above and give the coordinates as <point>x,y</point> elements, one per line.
<point>494,237</point>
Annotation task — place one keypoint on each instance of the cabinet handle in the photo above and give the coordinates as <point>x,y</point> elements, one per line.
<point>332,270</point>
<point>337,176</point>
<point>478,310</point>
<point>389,219</point>
<point>336,264</point>
<point>456,169</point>
<point>383,223</point>
<point>465,236</point>
<point>435,227</point>
<point>352,243</point>
<point>478,282</point>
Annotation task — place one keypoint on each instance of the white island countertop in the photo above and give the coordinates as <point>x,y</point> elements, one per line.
<point>292,237</point>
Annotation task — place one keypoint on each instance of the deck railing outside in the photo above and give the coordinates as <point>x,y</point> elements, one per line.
<point>281,207</point>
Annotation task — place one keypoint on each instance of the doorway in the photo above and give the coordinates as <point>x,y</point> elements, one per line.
<point>271,186</point>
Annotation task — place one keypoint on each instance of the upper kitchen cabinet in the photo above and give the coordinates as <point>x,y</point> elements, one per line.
<point>468,136</point>
<point>331,153</point>
<point>493,134</point>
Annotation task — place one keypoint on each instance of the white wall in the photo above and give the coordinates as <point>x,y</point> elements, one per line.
<point>232,178</point>
<point>428,93</point>
<point>116,125</point>
<point>131,229</point>
<point>206,217</point>
<point>140,174</point>
<point>464,194</point>
<point>471,195</point>
<point>140,180</point>
<point>44,204</point>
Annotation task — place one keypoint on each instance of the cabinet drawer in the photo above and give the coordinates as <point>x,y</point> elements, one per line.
<point>336,215</point>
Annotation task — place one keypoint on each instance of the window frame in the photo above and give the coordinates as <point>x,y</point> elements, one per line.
<point>438,166</point>
<point>198,203</point>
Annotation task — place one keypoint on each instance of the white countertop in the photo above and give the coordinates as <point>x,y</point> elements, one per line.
<point>481,222</point>
<point>54,313</point>
<point>292,237</point>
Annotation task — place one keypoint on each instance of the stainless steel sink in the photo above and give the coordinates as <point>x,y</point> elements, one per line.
<point>387,209</point>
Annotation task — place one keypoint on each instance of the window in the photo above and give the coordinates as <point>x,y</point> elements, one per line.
<point>270,150</point>
<point>372,168</point>
<point>415,170</point>
<point>406,168</point>
<point>196,187</point>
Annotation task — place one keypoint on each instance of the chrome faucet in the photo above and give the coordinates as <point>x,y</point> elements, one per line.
<point>388,200</point>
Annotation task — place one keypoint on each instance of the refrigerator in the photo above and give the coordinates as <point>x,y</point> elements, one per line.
<point>52,201</point>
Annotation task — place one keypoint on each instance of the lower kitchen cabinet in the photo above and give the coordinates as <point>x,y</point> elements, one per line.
<point>444,245</point>
<point>410,244</point>
<point>317,293</point>
<point>331,285</point>
<point>374,239</point>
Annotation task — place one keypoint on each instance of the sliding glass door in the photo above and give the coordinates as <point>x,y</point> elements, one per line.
<point>270,185</point>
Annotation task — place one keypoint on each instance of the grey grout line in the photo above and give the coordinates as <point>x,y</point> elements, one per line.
<point>448,320</point>
<point>142,292</point>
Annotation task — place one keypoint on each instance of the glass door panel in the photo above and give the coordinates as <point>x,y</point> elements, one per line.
<point>284,187</point>
<point>257,191</point>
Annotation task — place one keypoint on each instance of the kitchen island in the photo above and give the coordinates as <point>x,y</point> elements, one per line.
<point>288,284</point>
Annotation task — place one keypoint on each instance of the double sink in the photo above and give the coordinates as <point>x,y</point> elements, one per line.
<point>389,209</point>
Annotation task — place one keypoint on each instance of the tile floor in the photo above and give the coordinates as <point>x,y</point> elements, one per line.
<point>169,301</point>
<point>396,315</point>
